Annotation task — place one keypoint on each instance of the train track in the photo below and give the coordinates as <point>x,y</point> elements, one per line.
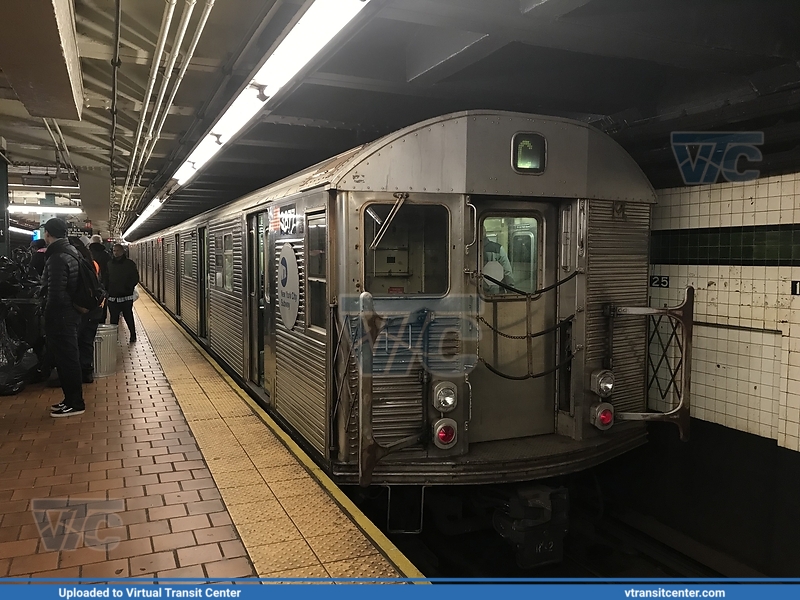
<point>622,545</point>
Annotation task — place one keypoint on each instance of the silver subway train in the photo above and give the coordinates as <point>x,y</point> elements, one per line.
<point>464,301</point>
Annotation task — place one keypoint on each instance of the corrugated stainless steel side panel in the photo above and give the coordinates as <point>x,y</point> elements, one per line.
<point>225,312</point>
<point>189,286</point>
<point>300,373</point>
<point>169,273</point>
<point>617,273</point>
<point>398,389</point>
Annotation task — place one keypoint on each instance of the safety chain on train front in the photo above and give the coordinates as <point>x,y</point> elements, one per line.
<point>538,292</point>
<point>527,335</point>
<point>558,367</point>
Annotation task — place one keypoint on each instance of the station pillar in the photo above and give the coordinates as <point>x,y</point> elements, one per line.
<point>5,240</point>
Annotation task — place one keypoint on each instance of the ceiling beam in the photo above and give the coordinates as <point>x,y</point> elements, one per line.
<point>432,58</point>
<point>39,56</point>
<point>500,21</point>
<point>551,9</point>
<point>92,49</point>
<point>91,100</point>
<point>318,123</point>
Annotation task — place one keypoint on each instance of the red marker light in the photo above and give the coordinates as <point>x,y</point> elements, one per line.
<point>446,434</point>
<point>605,417</point>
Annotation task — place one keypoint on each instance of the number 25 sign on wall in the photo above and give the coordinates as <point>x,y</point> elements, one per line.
<point>659,281</point>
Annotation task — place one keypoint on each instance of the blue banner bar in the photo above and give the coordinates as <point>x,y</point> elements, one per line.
<point>252,589</point>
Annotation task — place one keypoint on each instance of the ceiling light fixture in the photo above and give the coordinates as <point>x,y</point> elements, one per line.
<point>72,189</point>
<point>315,29</point>
<point>21,209</point>
<point>19,230</point>
<point>148,212</point>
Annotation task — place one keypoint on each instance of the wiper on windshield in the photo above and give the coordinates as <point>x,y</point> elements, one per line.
<point>401,197</point>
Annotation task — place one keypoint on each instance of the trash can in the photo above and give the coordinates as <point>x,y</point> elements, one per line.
<point>105,351</point>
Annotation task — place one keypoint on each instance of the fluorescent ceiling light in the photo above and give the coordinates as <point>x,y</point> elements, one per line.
<point>318,26</point>
<point>148,212</point>
<point>73,189</point>
<point>43,210</point>
<point>19,230</point>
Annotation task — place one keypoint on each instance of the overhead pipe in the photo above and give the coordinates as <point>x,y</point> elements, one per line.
<point>176,47</point>
<point>166,20</point>
<point>228,70</point>
<point>115,64</point>
<point>178,80</point>
<point>66,149</point>
<point>59,157</point>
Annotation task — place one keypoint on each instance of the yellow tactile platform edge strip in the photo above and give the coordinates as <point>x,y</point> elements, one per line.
<point>375,535</point>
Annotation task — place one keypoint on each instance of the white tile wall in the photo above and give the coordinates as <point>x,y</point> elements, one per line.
<point>753,321</point>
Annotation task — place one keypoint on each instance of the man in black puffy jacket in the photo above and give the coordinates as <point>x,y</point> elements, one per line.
<point>61,320</point>
<point>123,276</point>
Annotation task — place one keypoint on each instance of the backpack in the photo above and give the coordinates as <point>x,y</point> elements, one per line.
<point>89,294</point>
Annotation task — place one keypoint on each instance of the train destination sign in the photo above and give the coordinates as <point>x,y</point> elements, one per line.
<point>288,286</point>
<point>528,153</point>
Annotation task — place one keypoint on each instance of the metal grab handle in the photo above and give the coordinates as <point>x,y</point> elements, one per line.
<point>474,226</point>
<point>581,227</point>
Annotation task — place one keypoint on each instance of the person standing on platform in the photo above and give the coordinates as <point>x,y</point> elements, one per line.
<point>61,320</point>
<point>87,330</point>
<point>102,258</point>
<point>38,248</point>
<point>123,277</point>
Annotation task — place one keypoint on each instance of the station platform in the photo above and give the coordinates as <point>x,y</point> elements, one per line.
<point>172,472</point>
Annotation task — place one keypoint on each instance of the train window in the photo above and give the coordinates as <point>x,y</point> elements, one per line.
<point>529,153</point>
<point>227,262</point>
<point>411,256</point>
<point>317,269</point>
<point>169,266</point>
<point>510,254</point>
<point>187,258</point>
<point>218,261</point>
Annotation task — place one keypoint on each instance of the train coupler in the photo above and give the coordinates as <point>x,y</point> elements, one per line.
<point>535,520</point>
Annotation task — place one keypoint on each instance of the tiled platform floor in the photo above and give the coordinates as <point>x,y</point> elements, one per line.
<point>132,444</point>
<point>202,487</point>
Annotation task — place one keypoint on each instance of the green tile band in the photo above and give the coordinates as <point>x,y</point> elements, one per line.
<point>759,245</point>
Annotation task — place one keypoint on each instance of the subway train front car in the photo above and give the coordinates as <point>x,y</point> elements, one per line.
<point>460,303</point>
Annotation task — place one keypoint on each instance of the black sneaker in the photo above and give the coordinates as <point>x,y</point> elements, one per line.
<point>58,406</point>
<point>133,339</point>
<point>88,378</point>
<point>67,411</point>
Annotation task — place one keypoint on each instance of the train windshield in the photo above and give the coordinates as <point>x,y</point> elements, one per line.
<point>411,256</point>
<point>510,254</point>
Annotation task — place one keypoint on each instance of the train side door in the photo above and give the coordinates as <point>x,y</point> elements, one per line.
<point>270,302</point>
<point>157,263</point>
<point>177,268</point>
<point>513,384</point>
<point>257,297</point>
<point>202,289</point>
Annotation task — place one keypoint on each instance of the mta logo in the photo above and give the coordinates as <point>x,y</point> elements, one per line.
<point>284,272</point>
<point>716,152</point>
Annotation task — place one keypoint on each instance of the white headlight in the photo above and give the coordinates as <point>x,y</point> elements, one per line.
<point>603,383</point>
<point>445,397</point>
